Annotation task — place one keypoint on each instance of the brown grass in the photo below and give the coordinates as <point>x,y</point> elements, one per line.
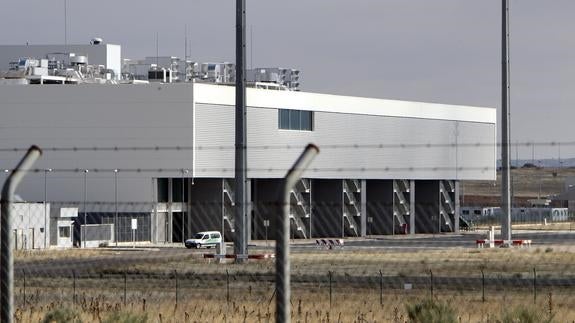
<point>150,287</point>
<point>59,254</point>
<point>308,305</point>
<point>525,182</point>
<point>550,260</point>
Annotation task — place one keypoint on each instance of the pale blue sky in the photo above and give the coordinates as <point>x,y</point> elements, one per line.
<point>445,51</point>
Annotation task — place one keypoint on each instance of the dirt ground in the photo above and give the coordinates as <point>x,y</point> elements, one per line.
<point>527,183</point>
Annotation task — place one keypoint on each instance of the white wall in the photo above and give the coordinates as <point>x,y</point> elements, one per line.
<point>30,225</point>
<point>163,115</point>
<point>97,116</point>
<point>349,146</point>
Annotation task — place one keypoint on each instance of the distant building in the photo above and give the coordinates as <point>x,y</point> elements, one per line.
<point>385,166</point>
<point>29,225</point>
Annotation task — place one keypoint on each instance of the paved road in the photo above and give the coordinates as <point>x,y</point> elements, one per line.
<point>465,240</point>
<point>65,267</point>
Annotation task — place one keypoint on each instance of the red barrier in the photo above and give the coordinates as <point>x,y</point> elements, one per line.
<point>482,242</point>
<point>256,256</point>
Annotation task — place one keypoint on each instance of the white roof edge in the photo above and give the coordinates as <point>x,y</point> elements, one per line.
<point>225,95</point>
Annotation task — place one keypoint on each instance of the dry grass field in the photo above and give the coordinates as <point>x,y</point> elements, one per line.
<point>341,285</point>
<point>308,305</point>
<point>366,286</point>
<point>527,183</point>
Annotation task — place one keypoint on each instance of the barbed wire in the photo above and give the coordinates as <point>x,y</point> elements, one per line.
<point>188,171</point>
<point>289,147</point>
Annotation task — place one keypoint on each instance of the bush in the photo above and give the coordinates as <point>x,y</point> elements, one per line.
<point>529,165</point>
<point>524,315</point>
<point>430,311</point>
<point>125,317</point>
<point>62,315</point>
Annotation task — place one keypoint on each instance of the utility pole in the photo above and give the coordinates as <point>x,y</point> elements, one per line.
<point>240,216</point>
<point>505,125</point>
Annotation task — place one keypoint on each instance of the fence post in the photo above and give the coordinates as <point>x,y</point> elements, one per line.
<point>24,289</point>
<point>227,287</point>
<point>329,273</point>
<point>176,278</point>
<point>125,288</point>
<point>74,287</point>
<point>431,283</point>
<point>380,287</point>
<point>6,244</point>
<point>482,286</point>
<point>283,306</point>
<point>534,285</point>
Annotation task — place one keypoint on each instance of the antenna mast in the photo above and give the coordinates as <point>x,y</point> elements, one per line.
<point>65,23</point>
<point>505,118</point>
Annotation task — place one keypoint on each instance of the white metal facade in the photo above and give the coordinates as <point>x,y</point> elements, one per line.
<point>348,130</point>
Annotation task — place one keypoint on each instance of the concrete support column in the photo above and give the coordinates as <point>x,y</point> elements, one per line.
<point>170,213</point>
<point>363,214</point>
<point>310,208</point>
<point>189,183</point>
<point>154,215</point>
<point>457,208</point>
<point>249,211</point>
<point>411,206</point>
<point>257,220</point>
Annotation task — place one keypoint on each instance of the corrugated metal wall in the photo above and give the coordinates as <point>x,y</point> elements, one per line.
<point>352,146</point>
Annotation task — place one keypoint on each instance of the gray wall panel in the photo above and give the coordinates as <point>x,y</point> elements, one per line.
<point>97,116</point>
<point>352,146</point>
<point>162,115</point>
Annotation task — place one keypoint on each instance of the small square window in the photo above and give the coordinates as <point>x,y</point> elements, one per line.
<point>64,232</point>
<point>295,119</point>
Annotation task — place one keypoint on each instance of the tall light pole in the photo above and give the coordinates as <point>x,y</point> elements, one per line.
<point>505,125</point>
<point>539,170</point>
<point>85,198</point>
<point>240,214</point>
<point>184,172</point>
<point>46,230</point>
<point>116,206</point>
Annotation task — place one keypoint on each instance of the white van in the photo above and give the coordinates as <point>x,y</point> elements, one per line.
<point>206,239</point>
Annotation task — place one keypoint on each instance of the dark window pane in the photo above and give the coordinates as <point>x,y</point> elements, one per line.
<point>295,119</point>
<point>306,120</point>
<point>280,118</point>
<point>162,190</point>
<point>284,118</point>
<point>294,123</point>
<point>176,189</point>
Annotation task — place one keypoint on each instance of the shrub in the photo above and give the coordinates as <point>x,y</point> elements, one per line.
<point>524,315</point>
<point>61,315</point>
<point>430,311</point>
<point>125,317</point>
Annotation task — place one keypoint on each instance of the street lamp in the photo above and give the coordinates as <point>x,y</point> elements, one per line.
<point>46,171</point>
<point>539,194</point>
<point>116,206</point>
<point>85,198</point>
<point>184,172</point>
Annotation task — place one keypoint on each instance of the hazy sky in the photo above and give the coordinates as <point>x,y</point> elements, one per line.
<point>445,51</point>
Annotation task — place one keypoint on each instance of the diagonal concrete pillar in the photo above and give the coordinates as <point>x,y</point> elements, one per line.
<point>363,214</point>
<point>457,208</point>
<point>411,207</point>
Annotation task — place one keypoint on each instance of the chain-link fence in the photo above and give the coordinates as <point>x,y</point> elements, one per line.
<point>98,242</point>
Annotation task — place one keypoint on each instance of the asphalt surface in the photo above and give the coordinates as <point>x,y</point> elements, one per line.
<point>120,258</point>
<point>442,241</point>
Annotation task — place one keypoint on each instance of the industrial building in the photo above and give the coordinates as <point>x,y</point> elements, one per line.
<point>162,149</point>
